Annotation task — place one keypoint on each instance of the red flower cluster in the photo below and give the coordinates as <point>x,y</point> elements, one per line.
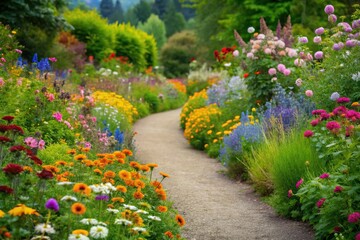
<point>121,59</point>
<point>219,56</point>
<point>13,169</point>
<point>11,127</point>
<point>45,174</point>
<point>6,189</point>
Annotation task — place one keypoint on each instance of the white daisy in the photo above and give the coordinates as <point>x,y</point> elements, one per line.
<point>78,237</point>
<point>44,228</point>
<point>131,207</point>
<point>112,210</point>
<point>139,229</point>
<point>64,183</point>
<point>89,221</point>
<point>142,211</point>
<point>154,218</point>
<point>122,221</point>
<point>99,232</point>
<point>40,238</point>
<point>68,198</point>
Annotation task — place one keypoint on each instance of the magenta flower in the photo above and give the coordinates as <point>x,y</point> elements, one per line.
<point>333,125</point>
<point>303,40</point>
<point>299,183</point>
<point>52,204</point>
<point>272,71</point>
<point>308,133</point>
<point>320,202</point>
<point>315,122</point>
<point>338,189</point>
<point>318,112</point>
<point>351,43</point>
<point>52,59</point>
<point>332,18</point>
<point>319,55</point>
<point>319,31</point>
<point>50,97</point>
<point>357,237</point>
<point>58,116</point>
<point>290,193</point>
<point>324,175</point>
<point>329,9</point>
<point>281,67</point>
<point>324,116</point>
<point>354,217</point>
<point>41,144</point>
<point>340,110</point>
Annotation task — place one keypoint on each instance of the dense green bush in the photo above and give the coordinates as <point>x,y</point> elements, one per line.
<point>91,29</point>
<point>177,53</point>
<point>155,27</point>
<point>151,51</point>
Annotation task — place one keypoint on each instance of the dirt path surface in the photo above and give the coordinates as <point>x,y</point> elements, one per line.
<point>214,206</point>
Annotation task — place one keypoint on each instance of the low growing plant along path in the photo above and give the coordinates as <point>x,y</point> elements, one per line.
<point>214,206</point>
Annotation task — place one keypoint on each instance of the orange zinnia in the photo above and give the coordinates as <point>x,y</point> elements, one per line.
<point>138,183</point>
<point>109,174</point>
<point>78,208</point>
<point>165,175</point>
<point>118,199</point>
<point>138,195</point>
<point>169,234</point>
<point>121,188</point>
<point>127,152</point>
<point>119,154</point>
<point>162,208</point>
<point>125,175</point>
<point>145,168</point>
<point>82,188</point>
<point>180,220</point>
<point>152,165</point>
<point>121,160</point>
<point>80,157</point>
<point>135,165</point>
<point>98,171</point>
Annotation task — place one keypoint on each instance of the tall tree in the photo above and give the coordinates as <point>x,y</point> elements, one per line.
<point>117,14</point>
<point>159,8</point>
<point>142,10</point>
<point>106,8</point>
<point>156,27</point>
<point>38,22</point>
<point>174,21</point>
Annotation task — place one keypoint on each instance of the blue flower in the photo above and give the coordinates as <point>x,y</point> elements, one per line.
<point>35,58</point>
<point>119,136</point>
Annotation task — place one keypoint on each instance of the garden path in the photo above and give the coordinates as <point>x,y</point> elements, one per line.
<point>214,206</point>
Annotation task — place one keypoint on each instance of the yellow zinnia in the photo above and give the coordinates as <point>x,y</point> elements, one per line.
<point>22,209</point>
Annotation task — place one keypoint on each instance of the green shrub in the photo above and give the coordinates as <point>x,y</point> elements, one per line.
<point>177,53</point>
<point>55,152</point>
<point>156,27</point>
<point>91,29</point>
<point>8,46</point>
<point>153,101</point>
<point>151,51</point>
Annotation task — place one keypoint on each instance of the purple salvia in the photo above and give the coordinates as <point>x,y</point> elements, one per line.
<point>278,30</point>
<point>287,31</point>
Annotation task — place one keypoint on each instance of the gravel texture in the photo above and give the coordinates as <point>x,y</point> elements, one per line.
<point>214,206</point>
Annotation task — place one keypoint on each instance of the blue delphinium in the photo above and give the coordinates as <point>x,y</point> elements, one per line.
<point>243,134</point>
<point>119,136</point>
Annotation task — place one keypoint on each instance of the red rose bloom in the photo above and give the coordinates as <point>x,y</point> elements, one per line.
<point>13,169</point>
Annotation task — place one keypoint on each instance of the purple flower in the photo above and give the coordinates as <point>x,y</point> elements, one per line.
<point>319,55</point>
<point>338,189</point>
<point>303,40</point>
<point>324,175</point>
<point>355,23</point>
<point>354,217</point>
<point>272,71</point>
<point>52,204</point>
<point>336,47</point>
<point>308,133</point>
<point>351,43</point>
<point>299,183</point>
<point>319,31</point>
<point>317,39</point>
<point>329,9</point>
<point>320,202</point>
<point>335,96</point>
<point>102,197</point>
<point>332,18</point>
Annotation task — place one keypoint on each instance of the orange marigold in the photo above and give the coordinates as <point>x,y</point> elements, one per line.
<point>138,195</point>
<point>125,175</point>
<point>78,208</point>
<point>165,175</point>
<point>118,199</point>
<point>127,152</point>
<point>162,208</point>
<point>169,234</point>
<point>152,165</point>
<point>98,171</point>
<point>138,183</point>
<point>145,168</point>
<point>121,188</point>
<point>135,165</point>
<point>109,174</point>
<point>80,157</point>
<point>119,154</point>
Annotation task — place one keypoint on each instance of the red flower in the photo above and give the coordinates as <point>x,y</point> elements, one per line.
<point>216,54</point>
<point>246,75</point>
<point>17,148</point>
<point>3,128</point>
<point>8,118</point>
<point>36,160</point>
<point>15,128</point>
<point>308,133</point>
<point>4,139</point>
<point>45,174</point>
<point>13,169</point>
<point>6,189</point>
<point>257,73</point>
<point>320,202</point>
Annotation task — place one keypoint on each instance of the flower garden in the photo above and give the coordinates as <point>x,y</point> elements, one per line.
<point>278,114</point>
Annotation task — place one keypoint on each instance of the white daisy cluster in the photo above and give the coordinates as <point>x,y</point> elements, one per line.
<point>122,221</point>
<point>155,218</point>
<point>68,198</point>
<point>103,188</point>
<point>107,72</point>
<point>98,232</point>
<point>44,228</point>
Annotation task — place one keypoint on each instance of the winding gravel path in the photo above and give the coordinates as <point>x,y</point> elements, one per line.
<point>214,206</point>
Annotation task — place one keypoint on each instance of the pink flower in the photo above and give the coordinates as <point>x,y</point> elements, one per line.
<point>2,82</point>
<point>68,124</point>
<point>272,71</point>
<point>319,31</point>
<point>333,125</point>
<point>324,116</point>
<point>18,51</point>
<point>299,183</point>
<point>52,59</point>
<point>31,142</point>
<point>281,67</point>
<point>3,59</point>
<point>298,82</point>
<point>340,110</point>
<point>299,62</point>
<point>324,175</point>
<point>236,53</point>
<point>320,202</point>
<point>287,72</point>
<point>290,193</point>
<point>329,9</point>
<point>50,97</point>
<point>357,237</point>
<point>81,117</point>
<point>93,119</point>
<point>338,189</point>
<point>267,51</point>
<point>354,217</point>
<point>332,18</point>
<point>41,144</point>
<point>308,133</point>
<point>315,122</point>
<point>303,40</point>
<point>58,116</point>
<point>343,100</point>
<point>317,39</point>
<point>309,93</point>
<point>319,55</point>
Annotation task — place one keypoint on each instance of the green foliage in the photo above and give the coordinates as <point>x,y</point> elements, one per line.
<point>151,51</point>
<point>8,46</point>
<point>55,152</point>
<point>174,21</point>
<point>142,10</point>
<point>177,53</point>
<point>91,29</point>
<point>152,100</point>
<point>53,131</point>
<point>156,27</point>
<point>128,43</point>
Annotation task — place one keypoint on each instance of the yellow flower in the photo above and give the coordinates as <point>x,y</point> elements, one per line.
<point>209,132</point>
<point>253,109</point>
<point>206,145</point>
<point>215,141</point>
<point>80,231</point>
<point>13,32</point>
<point>22,209</point>
<point>2,214</point>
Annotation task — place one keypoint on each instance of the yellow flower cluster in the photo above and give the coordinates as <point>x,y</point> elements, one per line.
<point>179,86</point>
<point>118,102</point>
<point>192,104</point>
<point>200,120</point>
